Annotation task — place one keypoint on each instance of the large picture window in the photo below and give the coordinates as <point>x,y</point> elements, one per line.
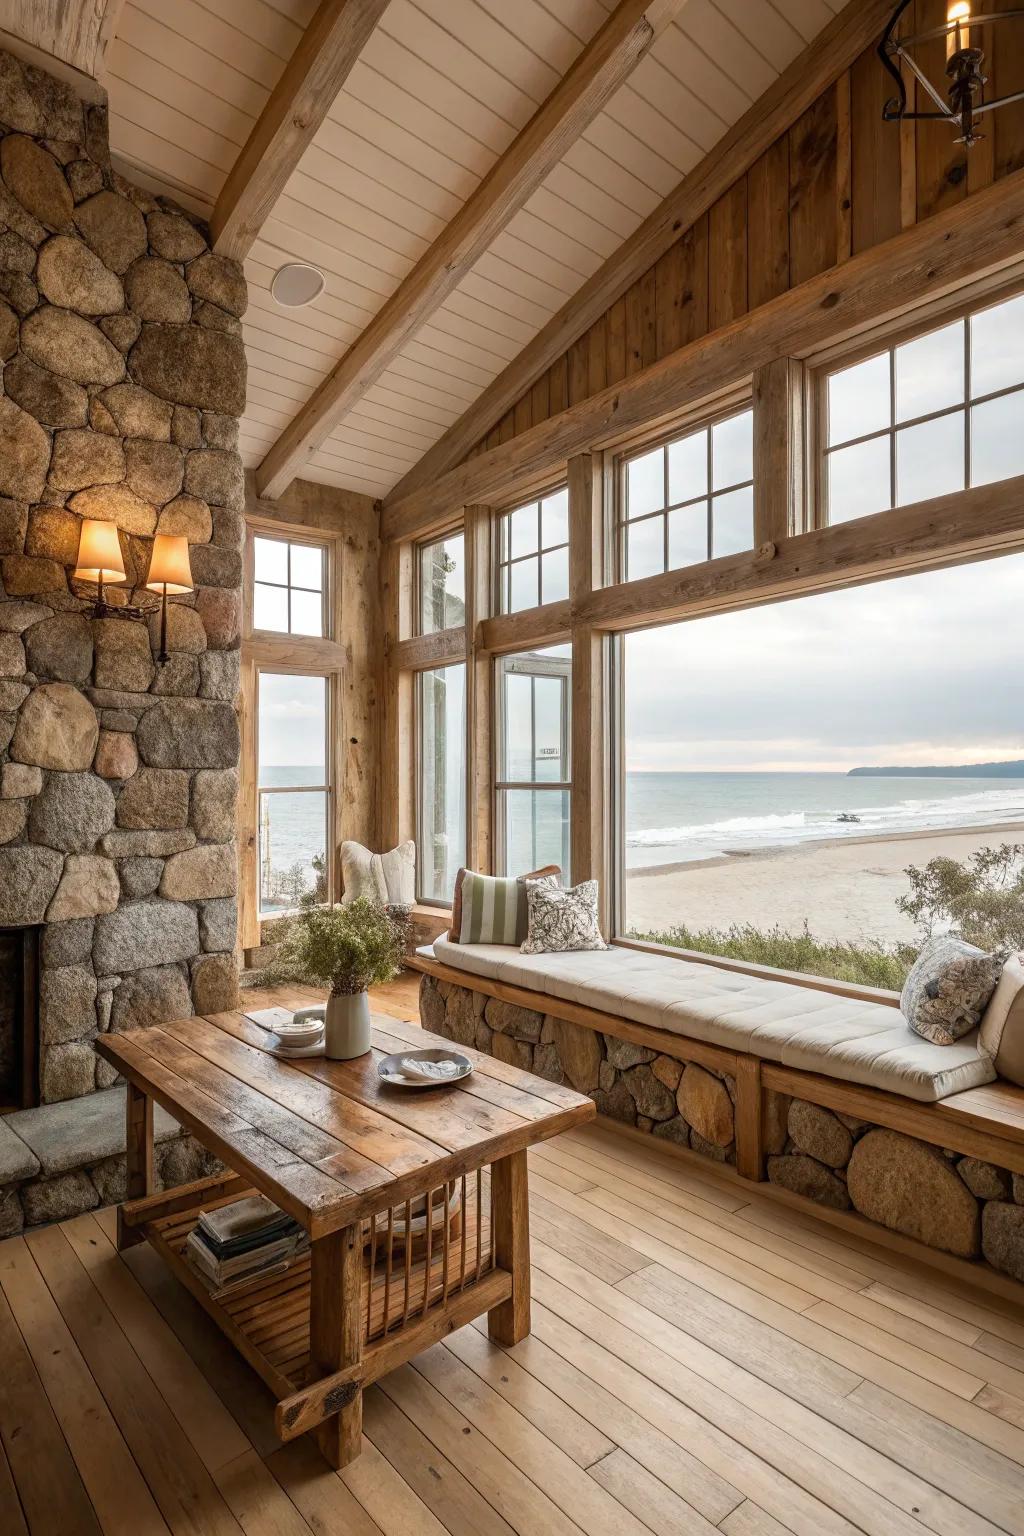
<point>533,783</point>
<point>688,500</point>
<point>293,788</point>
<point>931,416</point>
<point>441,786</point>
<point>289,586</point>
<point>533,560</point>
<point>788,768</point>
<point>442,584</point>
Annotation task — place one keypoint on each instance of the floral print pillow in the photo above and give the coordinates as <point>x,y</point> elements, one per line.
<point>948,989</point>
<point>562,920</point>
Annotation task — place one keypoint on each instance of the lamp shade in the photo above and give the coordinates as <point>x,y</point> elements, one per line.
<point>99,552</point>
<point>169,569</point>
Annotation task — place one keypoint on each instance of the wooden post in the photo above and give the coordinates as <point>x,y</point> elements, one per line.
<point>588,834</point>
<point>479,693</point>
<point>336,1335</point>
<point>749,1118</point>
<point>510,1219</point>
<point>138,1157</point>
<point>778,452</point>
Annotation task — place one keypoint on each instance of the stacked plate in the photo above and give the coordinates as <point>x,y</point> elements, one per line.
<point>302,1035</point>
<point>433,1067</point>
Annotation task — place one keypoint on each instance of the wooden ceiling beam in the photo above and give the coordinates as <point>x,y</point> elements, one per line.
<point>601,68</point>
<point>73,32</point>
<point>296,107</point>
<point>978,241</point>
<point>772,115</point>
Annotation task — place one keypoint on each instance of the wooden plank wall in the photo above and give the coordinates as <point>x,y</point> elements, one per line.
<point>839,182</point>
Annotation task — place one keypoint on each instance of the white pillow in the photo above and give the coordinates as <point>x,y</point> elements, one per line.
<point>1001,1036</point>
<point>389,878</point>
<point>560,921</point>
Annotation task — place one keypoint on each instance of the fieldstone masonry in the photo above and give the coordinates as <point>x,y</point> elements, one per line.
<point>959,1204</point>
<point>123,380</point>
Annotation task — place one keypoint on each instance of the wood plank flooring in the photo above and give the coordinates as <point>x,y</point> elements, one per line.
<point>701,1360</point>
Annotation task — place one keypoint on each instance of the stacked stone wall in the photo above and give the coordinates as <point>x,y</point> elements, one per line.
<point>123,381</point>
<point>960,1205</point>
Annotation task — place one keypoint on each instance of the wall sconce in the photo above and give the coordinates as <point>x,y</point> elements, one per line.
<point>100,561</point>
<point>170,574</point>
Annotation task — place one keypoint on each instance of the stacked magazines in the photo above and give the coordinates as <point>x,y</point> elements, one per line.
<point>236,1243</point>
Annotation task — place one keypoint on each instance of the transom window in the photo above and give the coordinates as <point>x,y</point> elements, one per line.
<point>533,784</point>
<point>289,586</point>
<point>929,417</point>
<point>688,500</point>
<point>533,562</point>
<point>442,584</point>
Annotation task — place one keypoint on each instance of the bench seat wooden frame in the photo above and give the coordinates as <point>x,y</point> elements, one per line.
<point>985,1122</point>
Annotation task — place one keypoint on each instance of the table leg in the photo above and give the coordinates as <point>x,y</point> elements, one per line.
<point>336,1334</point>
<point>510,1214</point>
<point>138,1157</point>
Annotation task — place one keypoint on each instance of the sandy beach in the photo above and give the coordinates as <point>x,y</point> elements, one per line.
<point>845,888</point>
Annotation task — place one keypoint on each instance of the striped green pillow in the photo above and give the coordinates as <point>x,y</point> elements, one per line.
<point>494,908</point>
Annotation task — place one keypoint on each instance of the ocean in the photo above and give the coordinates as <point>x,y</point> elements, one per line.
<point>675,818</point>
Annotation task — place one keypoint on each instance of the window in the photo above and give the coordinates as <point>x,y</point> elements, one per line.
<point>931,416</point>
<point>293,791</point>
<point>785,766</point>
<point>687,500</point>
<point>441,773</point>
<point>442,584</point>
<point>533,759</point>
<point>533,565</point>
<point>288,587</point>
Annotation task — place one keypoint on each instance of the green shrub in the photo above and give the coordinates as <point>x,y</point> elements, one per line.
<point>344,948</point>
<point>870,965</point>
<point>981,900</point>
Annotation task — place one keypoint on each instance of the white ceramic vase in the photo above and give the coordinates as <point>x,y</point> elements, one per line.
<point>347,1026</point>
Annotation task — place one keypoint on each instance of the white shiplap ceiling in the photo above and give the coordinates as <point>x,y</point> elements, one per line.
<point>439,92</point>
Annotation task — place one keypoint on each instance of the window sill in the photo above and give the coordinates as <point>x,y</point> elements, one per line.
<point>769,973</point>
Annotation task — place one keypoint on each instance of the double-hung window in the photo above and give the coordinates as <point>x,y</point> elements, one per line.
<point>687,500</point>
<point>293,790</point>
<point>533,783</point>
<point>441,781</point>
<point>933,415</point>
<point>533,553</point>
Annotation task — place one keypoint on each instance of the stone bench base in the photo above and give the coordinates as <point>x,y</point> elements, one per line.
<point>61,1160</point>
<point>960,1205</point>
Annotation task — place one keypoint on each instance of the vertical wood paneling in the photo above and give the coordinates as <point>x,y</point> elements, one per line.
<point>875,157</point>
<point>941,161</point>
<point>727,256</point>
<point>695,289</point>
<point>812,190</point>
<point>1005,56</point>
<point>668,286</point>
<point>768,225</point>
<point>844,170</point>
<point>616,341</point>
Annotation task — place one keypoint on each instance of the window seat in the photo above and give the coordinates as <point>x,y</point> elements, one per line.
<point>798,1027</point>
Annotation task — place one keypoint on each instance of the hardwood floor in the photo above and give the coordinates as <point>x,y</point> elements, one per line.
<point>701,1359</point>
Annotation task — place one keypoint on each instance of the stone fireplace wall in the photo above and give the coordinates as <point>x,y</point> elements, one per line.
<point>123,380</point>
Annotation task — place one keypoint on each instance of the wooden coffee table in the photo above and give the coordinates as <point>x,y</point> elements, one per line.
<point>359,1165</point>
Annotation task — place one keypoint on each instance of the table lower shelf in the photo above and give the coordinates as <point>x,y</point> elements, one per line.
<point>406,1307</point>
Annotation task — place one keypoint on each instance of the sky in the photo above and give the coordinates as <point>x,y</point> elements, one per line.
<point>921,670</point>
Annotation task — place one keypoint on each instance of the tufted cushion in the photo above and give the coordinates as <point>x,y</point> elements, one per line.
<point>1001,1036</point>
<point>857,1041</point>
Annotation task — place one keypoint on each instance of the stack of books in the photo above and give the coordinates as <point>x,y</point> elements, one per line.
<point>235,1243</point>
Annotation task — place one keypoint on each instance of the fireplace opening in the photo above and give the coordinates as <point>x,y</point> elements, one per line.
<point>19,1018</point>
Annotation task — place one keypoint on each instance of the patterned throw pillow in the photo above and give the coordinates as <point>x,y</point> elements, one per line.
<point>948,988</point>
<point>455,931</point>
<point>562,920</point>
<point>494,907</point>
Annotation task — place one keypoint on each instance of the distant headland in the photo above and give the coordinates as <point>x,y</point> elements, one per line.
<point>1011,770</point>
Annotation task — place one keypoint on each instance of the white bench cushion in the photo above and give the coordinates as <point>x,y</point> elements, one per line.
<point>859,1042</point>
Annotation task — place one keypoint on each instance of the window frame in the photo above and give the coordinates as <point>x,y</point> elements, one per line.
<point>501,786</point>
<point>437,903</point>
<point>501,567</point>
<point>326,546</point>
<point>877,342</point>
<point>327,789</point>
<point>457,530</point>
<point>702,419</point>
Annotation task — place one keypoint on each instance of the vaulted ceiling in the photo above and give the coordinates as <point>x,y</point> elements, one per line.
<point>435,93</point>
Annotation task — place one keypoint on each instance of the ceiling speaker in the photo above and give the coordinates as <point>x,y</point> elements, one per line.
<point>296,284</point>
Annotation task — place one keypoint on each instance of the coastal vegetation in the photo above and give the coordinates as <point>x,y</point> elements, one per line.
<point>981,899</point>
